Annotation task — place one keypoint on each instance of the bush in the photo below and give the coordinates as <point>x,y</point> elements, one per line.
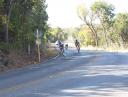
<point>4,48</point>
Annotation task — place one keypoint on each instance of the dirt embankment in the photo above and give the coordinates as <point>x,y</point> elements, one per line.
<point>15,60</point>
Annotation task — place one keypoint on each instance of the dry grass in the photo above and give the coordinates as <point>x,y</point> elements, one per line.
<point>51,52</point>
<point>17,60</point>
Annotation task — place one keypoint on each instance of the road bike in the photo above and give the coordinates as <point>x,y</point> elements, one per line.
<point>61,50</point>
<point>78,48</point>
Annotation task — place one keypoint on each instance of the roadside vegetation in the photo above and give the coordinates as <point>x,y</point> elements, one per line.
<point>19,21</point>
<point>102,27</point>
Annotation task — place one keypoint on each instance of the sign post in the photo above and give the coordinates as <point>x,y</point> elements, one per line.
<point>38,42</point>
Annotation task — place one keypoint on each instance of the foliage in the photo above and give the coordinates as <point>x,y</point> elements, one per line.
<point>89,18</point>
<point>86,36</point>
<point>105,13</point>
<point>57,33</point>
<point>23,18</point>
<point>105,26</point>
<point>121,26</point>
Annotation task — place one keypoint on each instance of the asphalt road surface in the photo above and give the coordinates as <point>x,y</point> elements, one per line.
<point>88,74</point>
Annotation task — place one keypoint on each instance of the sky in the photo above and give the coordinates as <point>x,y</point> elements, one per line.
<point>62,13</point>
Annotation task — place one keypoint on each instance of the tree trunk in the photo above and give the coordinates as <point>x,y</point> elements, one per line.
<point>104,31</point>
<point>105,35</point>
<point>8,14</point>
<point>94,34</point>
<point>6,33</point>
<point>96,39</point>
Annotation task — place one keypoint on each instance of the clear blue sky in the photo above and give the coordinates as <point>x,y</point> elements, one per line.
<point>62,13</point>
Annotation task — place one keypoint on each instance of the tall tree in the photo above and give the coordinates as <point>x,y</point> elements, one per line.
<point>7,6</point>
<point>105,13</point>
<point>21,18</point>
<point>88,18</point>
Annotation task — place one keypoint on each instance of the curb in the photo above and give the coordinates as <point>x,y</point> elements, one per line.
<point>50,59</point>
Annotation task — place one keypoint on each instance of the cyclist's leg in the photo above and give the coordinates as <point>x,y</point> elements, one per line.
<point>62,50</point>
<point>78,49</point>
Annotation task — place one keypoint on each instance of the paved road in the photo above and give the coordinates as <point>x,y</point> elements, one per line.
<point>88,74</point>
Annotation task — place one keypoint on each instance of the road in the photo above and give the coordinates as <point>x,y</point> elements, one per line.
<point>88,74</point>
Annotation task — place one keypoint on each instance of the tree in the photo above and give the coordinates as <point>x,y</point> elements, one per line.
<point>57,33</point>
<point>121,28</point>
<point>21,18</point>
<point>7,9</point>
<point>89,19</point>
<point>105,13</point>
<point>85,36</point>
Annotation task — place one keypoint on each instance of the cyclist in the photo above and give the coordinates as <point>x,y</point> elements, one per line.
<point>77,44</point>
<point>60,45</point>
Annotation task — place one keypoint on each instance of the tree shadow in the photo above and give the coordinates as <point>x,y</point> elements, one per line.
<point>105,78</point>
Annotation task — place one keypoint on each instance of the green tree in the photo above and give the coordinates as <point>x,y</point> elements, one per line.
<point>21,18</point>
<point>121,28</point>
<point>7,9</point>
<point>85,36</point>
<point>89,19</point>
<point>57,33</point>
<point>105,13</point>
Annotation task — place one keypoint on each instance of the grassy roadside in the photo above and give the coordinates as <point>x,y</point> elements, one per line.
<point>51,52</point>
<point>18,60</point>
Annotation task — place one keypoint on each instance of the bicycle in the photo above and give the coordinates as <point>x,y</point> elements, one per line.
<point>78,48</point>
<point>61,49</point>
